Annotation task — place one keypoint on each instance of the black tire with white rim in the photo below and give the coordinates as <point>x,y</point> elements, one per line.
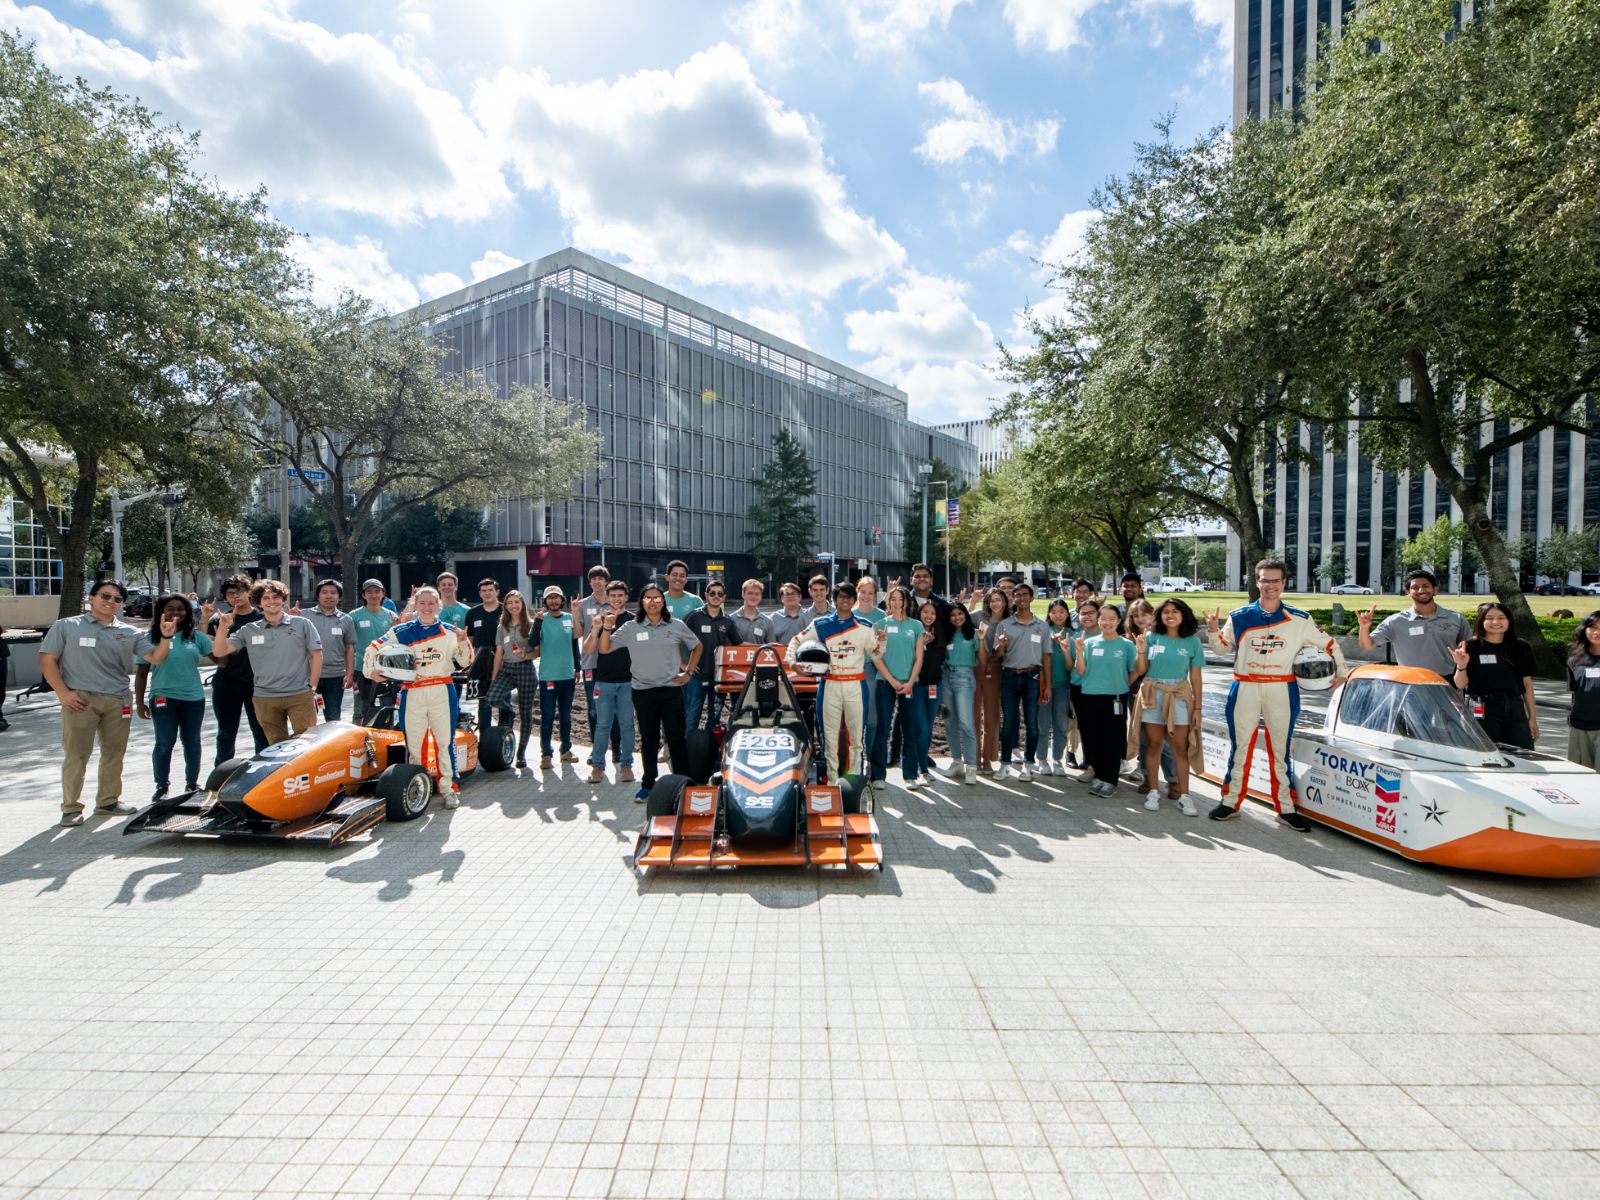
<point>405,790</point>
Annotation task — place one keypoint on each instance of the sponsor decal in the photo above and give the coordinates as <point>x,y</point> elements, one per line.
<point>701,803</point>
<point>1432,812</point>
<point>287,749</point>
<point>331,773</point>
<point>1387,788</point>
<point>1384,818</point>
<point>1339,764</point>
<point>1555,795</point>
<point>821,802</point>
<point>296,784</point>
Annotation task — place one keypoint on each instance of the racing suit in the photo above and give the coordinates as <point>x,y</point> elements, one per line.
<point>1264,690</point>
<point>842,696</point>
<point>429,702</point>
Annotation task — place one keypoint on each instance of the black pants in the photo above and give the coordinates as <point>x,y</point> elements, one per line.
<point>366,697</point>
<point>228,698</point>
<point>331,689</point>
<point>1103,726</point>
<point>1505,719</point>
<point>660,710</point>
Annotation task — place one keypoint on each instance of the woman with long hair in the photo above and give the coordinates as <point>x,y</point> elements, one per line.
<point>960,686</point>
<point>1168,703</point>
<point>918,759</point>
<point>1141,618</point>
<point>1495,670</point>
<point>170,662</point>
<point>514,669</point>
<point>986,709</point>
<point>1056,717</point>
<point>662,656</point>
<point>1088,626</point>
<point>1583,680</point>
<point>902,663</point>
<point>1110,663</point>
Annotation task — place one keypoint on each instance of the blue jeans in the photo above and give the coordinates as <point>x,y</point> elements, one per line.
<point>1019,696</point>
<point>869,718</point>
<point>1053,737</point>
<point>695,695</point>
<point>613,720</point>
<point>889,707</point>
<point>924,710</point>
<point>960,686</point>
<point>175,719</point>
<point>554,694</point>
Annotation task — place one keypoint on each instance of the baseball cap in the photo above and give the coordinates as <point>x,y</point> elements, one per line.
<point>377,583</point>
<point>553,590</point>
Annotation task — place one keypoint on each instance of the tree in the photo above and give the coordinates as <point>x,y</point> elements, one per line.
<point>1565,551</point>
<point>201,540</point>
<point>1334,566</point>
<point>426,533</point>
<point>310,533</point>
<point>1434,546</point>
<point>361,399</point>
<point>1144,349</point>
<point>924,496</point>
<point>1445,217</point>
<point>783,516</point>
<point>129,285</point>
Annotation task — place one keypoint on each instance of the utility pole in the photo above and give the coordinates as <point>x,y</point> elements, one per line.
<point>926,471</point>
<point>283,503</point>
<point>118,507</point>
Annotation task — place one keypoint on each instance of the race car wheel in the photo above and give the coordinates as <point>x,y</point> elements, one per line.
<point>853,791</point>
<point>497,747</point>
<point>702,745</point>
<point>222,771</point>
<point>664,796</point>
<point>405,790</point>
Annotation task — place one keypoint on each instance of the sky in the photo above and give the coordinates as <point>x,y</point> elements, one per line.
<point>884,181</point>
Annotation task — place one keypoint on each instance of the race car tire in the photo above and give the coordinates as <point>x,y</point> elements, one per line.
<point>664,796</point>
<point>497,747</point>
<point>405,790</point>
<point>702,751</point>
<point>853,791</point>
<point>221,773</point>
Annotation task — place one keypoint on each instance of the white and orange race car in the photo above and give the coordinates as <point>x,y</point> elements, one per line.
<point>1400,762</point>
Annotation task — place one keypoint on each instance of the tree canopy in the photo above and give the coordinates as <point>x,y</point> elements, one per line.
<point>783,516</point>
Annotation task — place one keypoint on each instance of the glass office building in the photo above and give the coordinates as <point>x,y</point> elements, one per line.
<point>687,401</point>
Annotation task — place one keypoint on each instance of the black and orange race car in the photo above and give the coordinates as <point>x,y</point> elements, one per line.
<point>325,786</point>
<point>765,807</point>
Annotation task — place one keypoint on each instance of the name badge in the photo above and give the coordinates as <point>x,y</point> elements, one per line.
<point>1487,658</point>
<point>365,624</point>
<point>477,624</point>
<point>1097,652</point>
<point>258,639</point>
<point>933,691</point>
<point>1034,638</point>
<point>1155,650</point>
<point>88,641</point>
<point>1418,631</point>
<point>1591,672</point>
<point>337,631</point>
<point>641,636</point>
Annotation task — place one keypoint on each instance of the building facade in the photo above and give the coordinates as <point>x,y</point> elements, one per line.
<point>687,401</point>
<point>1339,517</point>
<point>993,442</point>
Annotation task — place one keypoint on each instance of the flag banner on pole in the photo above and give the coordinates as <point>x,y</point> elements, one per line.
<point>953,514</point>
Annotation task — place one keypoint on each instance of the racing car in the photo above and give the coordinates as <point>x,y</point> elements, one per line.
<point>765,807</point>
<point>1400,761</point>
<point>326,785</point>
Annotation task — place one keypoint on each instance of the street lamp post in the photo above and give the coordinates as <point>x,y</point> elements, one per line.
<point>118,507</point>
<point>944,483</point>
<point>925,470</point>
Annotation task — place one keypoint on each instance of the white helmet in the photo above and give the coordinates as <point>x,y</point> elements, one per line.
<point>397,663</point>
<point>1313,668</point>
<point>811,658</point>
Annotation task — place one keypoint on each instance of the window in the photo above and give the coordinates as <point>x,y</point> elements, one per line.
<point>1437,715</point>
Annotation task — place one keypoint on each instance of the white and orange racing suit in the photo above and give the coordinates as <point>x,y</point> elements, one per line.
<point>429,702</point>
<point>1264,691</point>
<point>842,696</point>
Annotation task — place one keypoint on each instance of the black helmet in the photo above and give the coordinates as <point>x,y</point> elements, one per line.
<point>811,658</point>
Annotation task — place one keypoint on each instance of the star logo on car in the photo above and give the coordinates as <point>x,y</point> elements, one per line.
<point>1432,812</point>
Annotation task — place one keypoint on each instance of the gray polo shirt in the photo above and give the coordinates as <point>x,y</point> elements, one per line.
<point>1026,645</point>
<point>280,654</point>
<point>1420,641</point>
<point>338,634</point>
<point>809,616</point>
<point>753,631</point>
<point>656,652</point>
<point>93,657</point>
<point>585,612</point>
<point>784,627</point>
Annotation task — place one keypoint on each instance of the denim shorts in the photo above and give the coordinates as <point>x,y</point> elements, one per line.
<point>1157,714</point>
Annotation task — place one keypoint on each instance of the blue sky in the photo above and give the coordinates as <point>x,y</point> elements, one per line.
<point>876,179</point>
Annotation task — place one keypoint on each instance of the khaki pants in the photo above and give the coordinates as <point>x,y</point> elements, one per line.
<point>102,719</point>
<point>277,713</point>
<point>1583,747</point>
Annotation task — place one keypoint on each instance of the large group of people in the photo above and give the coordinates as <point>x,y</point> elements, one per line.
<point>1112,689</point>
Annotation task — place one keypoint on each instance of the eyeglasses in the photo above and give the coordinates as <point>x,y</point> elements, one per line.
<point>111,596</point>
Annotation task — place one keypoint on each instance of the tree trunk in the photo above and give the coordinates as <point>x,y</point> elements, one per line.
<point>1246,517</point>
<point>73,541</point>
<point>351,553</point>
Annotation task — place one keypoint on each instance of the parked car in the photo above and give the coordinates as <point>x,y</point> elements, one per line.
<point>1351,589</point>
<point>1591,589</point>
<point>1562,589</point>
<point>140,603</point>
<point>1176,583</point>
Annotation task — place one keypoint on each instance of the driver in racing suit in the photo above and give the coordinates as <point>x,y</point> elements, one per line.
<point>842,696</point>
<point>1264,638</point>
<point>429,702</point>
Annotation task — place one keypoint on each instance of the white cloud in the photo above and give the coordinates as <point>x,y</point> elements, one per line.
<point>774,31</point>
<point>930,319</point>
<point>324,119</point>
<point>494,262</point>
<point>879,25</point>
<point>970,128</point>
<point>696,173</point>
<point>939,392</point>
<point>784,324</point>
<point>1057,25</point>
<point>1058,248</point>
<point>441,283</point>
<point>1063,246</point>
<point>361,266</point>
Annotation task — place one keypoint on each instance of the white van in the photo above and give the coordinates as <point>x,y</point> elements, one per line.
<point>1176,583</point>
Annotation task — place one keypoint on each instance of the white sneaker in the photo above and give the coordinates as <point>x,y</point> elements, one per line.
<point>929,779</point>
<point>1152,802</point>
<point>971,775</point>
<point>1024,773</point>
<point>452,799</point>
<point>1186,806</point>
<point>911,783</point>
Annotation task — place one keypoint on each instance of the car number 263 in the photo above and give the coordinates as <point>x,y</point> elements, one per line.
<point>766,741</point>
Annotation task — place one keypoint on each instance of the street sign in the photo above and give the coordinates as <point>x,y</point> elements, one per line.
<point>824,556</point>
<point>953,514</point>
<point>313,476</point>
<point>597,543</point>
<point>713,566</point>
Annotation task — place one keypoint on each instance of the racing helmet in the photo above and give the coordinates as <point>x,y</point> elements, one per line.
<point>1313,668</point>
<point>811,658</point>
<point>397,663</point>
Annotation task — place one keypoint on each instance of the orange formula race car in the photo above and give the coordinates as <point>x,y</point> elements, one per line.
<point>764,807</point>
<point>327,785</point>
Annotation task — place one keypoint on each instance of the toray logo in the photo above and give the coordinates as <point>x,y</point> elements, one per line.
<point>1346,766</point>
